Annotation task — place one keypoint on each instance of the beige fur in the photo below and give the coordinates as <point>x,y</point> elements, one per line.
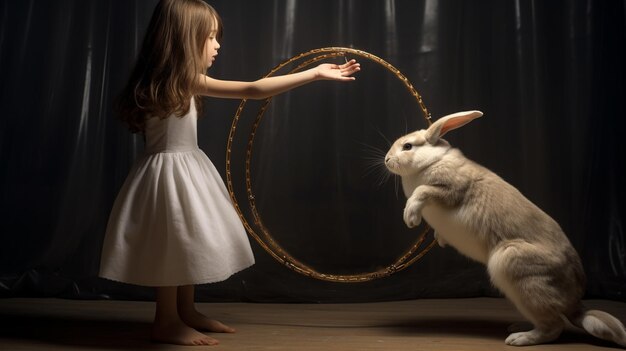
<point>528,257</point>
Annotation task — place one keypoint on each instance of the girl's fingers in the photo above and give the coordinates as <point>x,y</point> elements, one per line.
<point>350,70</point>
<point>348,63</point>
<point>350,67</point>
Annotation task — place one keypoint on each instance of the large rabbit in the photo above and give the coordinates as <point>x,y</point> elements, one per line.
<point>528,257</point>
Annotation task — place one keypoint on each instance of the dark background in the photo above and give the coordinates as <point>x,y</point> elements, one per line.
<point>548,75</point>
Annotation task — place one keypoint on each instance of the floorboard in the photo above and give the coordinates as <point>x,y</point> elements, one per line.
<point>445,324</point>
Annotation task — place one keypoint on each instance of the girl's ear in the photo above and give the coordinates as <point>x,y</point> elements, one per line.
<point>448,123</point>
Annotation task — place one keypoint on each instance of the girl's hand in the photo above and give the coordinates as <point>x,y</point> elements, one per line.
<point>330,71</point>
<point>270,86</point>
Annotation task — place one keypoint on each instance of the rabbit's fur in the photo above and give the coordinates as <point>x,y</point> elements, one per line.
<point>528,257</point>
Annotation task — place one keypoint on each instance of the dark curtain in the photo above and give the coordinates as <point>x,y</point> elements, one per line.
<point>548,75</point>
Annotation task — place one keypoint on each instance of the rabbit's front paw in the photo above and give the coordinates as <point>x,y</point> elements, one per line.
<point>413,214</point>
<point>440,240</point>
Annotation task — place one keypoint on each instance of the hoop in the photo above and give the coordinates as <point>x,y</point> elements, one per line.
<point>266,240</point>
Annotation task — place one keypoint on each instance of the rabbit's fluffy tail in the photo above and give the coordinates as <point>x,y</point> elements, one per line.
<point>601,325</point>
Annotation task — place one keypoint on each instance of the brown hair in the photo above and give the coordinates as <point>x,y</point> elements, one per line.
<point>170,60</point>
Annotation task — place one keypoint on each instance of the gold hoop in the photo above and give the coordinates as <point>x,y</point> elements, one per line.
<point>266,241</point>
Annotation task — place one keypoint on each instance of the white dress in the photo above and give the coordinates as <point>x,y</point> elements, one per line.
<point>173,222</point>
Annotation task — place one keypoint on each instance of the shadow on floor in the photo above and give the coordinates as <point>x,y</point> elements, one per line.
<point>487,328</point>
<point>83,332</point>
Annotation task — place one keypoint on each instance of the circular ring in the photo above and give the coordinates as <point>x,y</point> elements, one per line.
<point>265,240</point>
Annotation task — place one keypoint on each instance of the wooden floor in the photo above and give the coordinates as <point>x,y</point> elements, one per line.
<point>455,324</point>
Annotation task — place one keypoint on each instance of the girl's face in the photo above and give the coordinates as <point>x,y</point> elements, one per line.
<point>210,49</point>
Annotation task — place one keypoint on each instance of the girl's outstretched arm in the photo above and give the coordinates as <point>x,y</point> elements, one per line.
<point>266,87</point>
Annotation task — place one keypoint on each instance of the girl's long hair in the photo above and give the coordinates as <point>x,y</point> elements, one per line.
<point>171,58</point>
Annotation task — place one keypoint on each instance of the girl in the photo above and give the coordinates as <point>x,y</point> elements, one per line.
<point>172,225</point>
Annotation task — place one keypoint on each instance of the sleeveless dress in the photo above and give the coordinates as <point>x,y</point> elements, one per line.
<point>173,222</point>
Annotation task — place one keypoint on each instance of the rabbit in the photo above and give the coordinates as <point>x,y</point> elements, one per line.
<point>527,255</point>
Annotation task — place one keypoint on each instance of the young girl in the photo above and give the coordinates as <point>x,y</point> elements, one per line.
<point>172,225</point>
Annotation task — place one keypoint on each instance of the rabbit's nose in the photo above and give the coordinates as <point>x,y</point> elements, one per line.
<point>387,159</point>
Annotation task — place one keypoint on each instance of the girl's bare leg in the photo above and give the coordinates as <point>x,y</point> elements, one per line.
<point>168,326</point>
<point>188,313</point>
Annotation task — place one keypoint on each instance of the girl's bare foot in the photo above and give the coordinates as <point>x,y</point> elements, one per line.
<point>199,321</point>
<point>177,332</point>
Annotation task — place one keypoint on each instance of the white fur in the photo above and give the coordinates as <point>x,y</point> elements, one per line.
<point>451,227</point>
<point>488,220</point>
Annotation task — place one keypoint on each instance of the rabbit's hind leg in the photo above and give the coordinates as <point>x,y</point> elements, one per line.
<point>533,337</point>
<point>515,269</point>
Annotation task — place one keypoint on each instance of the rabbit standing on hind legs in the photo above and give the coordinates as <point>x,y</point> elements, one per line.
<point>528,257</point>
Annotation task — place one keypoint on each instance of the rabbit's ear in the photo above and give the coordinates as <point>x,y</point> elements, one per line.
<point>448,123</point>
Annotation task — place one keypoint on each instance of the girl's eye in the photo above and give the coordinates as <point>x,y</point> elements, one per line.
<point>407,146</point>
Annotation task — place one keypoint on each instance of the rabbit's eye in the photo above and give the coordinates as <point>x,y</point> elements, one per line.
<point>407,146</point>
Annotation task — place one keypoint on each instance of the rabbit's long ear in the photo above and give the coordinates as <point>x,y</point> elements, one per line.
<point>448,123</point>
